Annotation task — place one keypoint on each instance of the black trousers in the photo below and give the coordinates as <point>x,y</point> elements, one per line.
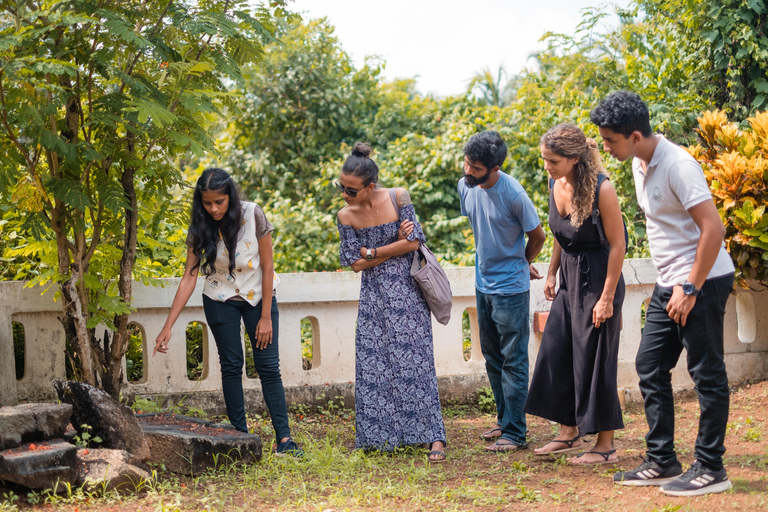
<point>662,342</point>
<point>224,319</point>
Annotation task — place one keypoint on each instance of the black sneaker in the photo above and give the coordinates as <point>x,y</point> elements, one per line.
<point>649,473</point>
<point>289,448</point>
<point>698,480</point>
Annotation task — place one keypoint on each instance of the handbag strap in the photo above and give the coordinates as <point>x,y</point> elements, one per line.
<point>393,197</point>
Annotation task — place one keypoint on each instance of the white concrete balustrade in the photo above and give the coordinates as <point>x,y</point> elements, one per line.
<point>329,300</point>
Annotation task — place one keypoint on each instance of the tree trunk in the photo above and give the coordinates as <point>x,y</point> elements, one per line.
<point>74,316</point>
<point>114,367</point>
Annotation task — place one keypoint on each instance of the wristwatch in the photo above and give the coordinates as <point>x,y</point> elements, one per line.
<point>368,254</point>
<point>690,289</point>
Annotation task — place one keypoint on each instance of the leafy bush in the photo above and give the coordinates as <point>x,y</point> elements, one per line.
<point>735,163</point>
<point>485,401</point>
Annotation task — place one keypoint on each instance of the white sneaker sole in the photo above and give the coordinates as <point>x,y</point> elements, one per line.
<point>658,482</point>
<point>709,489</point>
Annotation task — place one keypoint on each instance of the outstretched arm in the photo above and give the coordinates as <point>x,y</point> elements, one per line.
<point>183,293</point>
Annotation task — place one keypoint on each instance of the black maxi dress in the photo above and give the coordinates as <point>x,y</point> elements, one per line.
<point>574,380</point>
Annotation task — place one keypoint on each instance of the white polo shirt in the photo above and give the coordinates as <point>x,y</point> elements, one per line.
<point>674,183</point>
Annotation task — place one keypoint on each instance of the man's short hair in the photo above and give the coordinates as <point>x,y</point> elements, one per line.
<point>623,112</point>
<point>486,147</point>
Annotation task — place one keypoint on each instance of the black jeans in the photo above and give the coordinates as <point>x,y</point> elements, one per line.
<point>224,319</point>
<point>662,342</point>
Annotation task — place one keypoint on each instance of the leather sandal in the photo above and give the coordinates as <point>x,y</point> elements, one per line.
<point>568,446</point>
<point>492,434</point>
<point>604,455</point>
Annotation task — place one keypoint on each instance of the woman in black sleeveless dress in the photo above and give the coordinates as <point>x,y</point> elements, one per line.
<point>574,380</point>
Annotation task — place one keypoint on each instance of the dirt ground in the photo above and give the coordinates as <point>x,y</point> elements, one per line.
<point>472,479</point>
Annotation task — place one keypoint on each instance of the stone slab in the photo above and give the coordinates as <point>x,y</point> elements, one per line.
<point>192,453</point>
<point>32,422</point>
<point>49,465</point>
<point>106,470</point>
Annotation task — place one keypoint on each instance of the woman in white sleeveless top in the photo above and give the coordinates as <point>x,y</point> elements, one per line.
<point>230,241</point>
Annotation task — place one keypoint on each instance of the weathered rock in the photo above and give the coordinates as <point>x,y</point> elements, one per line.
<point>114,423</point>
<point>33,422</point>
<point>105,470</point>
<point>47,465</point>
<point>191,453</point>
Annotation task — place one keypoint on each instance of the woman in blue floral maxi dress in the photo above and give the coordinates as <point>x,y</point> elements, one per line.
<point>396,397</point>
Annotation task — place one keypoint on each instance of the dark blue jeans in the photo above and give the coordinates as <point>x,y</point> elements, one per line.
<point>662,342</point>
<point>504,330</point>
<point>224,319</point>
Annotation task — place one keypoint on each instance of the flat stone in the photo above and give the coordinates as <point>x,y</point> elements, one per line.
<point>192,453</point>
<point>32,422</point>
<point>45,465</point>
<point>106,470</point>
<point>114,423</point>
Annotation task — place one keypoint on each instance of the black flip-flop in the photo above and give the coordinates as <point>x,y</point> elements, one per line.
<point>568,446</point>
<point>508,447</point>
<point>604,455</point>
<point>491,435</point>
<point>441,457</point>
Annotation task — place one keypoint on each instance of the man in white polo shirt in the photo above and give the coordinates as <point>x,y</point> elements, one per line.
<point>685,237</point>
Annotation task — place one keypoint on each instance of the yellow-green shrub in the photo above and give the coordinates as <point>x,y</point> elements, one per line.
<point>735,162</point>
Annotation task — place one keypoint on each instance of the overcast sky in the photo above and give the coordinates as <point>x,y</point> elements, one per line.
<point>443,43</point>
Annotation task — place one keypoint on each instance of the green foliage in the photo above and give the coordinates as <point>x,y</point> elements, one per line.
<point>195,348</point>
<point>86,439</point>
<point>333,407</point>
<point>98,101</point>
<point>134,356</point>
<point>731,37</point>
<point>485,400</point>
<point>528,495</point>
<point>736,165</point>
<point>146,405</point>
<point>301,102</point>
<point>19,349</point>
<point>495,91</point>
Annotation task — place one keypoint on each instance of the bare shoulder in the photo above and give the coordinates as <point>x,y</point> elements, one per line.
<point>607,187</point>
<point>608,194</point>
<point>345,216</point>
<point>403,197</point>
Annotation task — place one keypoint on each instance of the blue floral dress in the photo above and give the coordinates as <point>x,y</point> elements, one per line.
<point>396,399</point>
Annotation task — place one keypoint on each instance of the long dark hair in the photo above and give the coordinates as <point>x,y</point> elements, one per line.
<point>359,163</point>
<point>204,230</point>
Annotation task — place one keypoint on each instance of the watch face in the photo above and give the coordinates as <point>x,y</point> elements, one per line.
<point>689,289</point>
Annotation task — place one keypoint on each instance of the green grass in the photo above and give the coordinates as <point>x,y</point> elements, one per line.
<point>335,476</point>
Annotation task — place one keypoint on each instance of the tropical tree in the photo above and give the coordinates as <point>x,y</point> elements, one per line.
<point>729,39</point>
<point>98,101</point>
<point>494,91</point>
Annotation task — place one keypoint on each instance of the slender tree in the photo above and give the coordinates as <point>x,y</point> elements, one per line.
<point>98,100</point>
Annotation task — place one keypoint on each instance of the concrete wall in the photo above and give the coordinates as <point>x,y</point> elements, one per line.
<point>330,301</point>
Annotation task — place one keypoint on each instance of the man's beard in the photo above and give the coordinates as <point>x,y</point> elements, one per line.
<point>472,182</point>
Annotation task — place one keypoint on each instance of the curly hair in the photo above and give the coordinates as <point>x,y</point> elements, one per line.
<point>623,112</point>
<point>204,230</point>
<point>568,141</point>
<point>486,147</point>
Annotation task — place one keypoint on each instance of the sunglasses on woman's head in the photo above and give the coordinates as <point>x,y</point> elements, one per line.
<point>341,188</point>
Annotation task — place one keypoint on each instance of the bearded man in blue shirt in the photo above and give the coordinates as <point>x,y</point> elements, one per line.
<point>501,215</point>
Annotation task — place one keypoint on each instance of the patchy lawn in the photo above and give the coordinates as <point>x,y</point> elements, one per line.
<point>334,477</point>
